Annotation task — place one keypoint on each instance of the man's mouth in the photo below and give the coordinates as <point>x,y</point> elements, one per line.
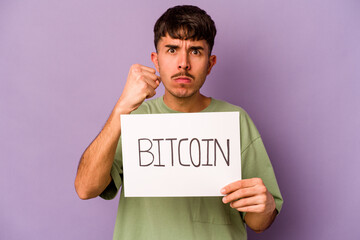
<point>183,77</point>
<point>182,80</point>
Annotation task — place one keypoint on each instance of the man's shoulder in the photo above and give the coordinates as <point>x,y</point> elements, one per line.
<point>223,106</point>
<point>248,127</point>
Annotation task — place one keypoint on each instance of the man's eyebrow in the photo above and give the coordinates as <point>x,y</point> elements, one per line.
<point>171,46</point>
<point>196,48</point>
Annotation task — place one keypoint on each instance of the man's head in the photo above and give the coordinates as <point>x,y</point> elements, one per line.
<point>187,23</point>
<point>184,37</point>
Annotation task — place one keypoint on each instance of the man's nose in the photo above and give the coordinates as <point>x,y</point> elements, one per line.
<point>184,63</point>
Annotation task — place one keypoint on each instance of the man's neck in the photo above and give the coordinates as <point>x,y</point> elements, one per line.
<point>195,103</point>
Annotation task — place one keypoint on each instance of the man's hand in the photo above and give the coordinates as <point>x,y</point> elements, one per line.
<point>251,196</point>
<point>141,84</point>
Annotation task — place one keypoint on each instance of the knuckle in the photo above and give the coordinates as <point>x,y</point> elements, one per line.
<point>154,77</point>
<point>144,95</point>
<point>142,84</point>
<point>262,198</point>
<point>141,78</point>
<point>238,184</point>
<point>136,68</point>
<point>259,181</point>
<point>263,189</point>
<point>240,193</point>
<point>143,87</point>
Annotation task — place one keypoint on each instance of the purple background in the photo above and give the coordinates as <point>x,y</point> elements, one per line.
<point>293,65</point>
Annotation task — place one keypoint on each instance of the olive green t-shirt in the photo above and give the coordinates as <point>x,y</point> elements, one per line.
<point>165,218</point>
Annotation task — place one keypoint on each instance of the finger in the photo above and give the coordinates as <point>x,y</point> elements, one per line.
<point>256,190</point>
<point>249,201</point>
<point>240,193</point>
<point>151,83</point>
<point>149,69</point>
<point>254,208</point>
<point>158,81</point>
<point>144,80</point>
<point>151,93</point>
<point>150,90</point>
<point>151,73</point>
<point>151,76</point>
<point>245,183</point>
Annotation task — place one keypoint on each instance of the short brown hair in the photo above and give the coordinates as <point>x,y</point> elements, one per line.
<point>185,22</point>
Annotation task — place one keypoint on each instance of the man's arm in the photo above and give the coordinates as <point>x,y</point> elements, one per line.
<point>251,196</point>
<point>93,174</point>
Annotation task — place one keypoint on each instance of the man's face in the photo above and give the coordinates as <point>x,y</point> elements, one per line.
<point>183,65</point>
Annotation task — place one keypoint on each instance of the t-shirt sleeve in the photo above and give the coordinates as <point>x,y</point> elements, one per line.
<point>116,175</point>
<point>256,162</point>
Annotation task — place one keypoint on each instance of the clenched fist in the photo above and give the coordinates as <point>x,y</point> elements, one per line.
<point>140,84</point>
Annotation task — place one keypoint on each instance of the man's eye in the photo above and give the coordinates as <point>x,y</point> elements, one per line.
<point>171,50</point>
<point>195,51</point>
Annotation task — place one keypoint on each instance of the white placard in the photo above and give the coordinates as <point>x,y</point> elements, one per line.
<point>182,154</point>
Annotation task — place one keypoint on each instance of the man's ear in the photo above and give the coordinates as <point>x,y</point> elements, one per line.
<point>212,62</point>
<point>154,59</point>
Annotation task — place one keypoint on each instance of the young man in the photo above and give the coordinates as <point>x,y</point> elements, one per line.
<point>184,37</point>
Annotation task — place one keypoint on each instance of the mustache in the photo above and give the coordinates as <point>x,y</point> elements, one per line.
<point>180,74</point>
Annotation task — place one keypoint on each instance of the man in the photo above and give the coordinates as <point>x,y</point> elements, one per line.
<point>184,38</point>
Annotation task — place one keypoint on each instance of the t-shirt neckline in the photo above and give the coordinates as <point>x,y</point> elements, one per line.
<point>165,108</point>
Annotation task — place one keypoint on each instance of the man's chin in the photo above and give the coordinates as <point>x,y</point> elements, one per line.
<point>182,93</point>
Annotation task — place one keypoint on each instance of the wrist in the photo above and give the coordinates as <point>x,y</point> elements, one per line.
<point>121,108</point>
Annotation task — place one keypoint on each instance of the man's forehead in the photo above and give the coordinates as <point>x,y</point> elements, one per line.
<point>167,40</point>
